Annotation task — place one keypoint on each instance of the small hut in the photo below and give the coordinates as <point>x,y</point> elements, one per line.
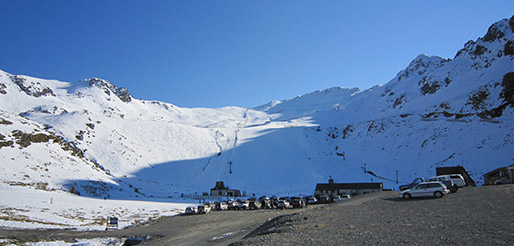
<point>221,190</point>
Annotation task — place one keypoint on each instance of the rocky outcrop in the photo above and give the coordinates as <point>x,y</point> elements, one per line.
<point>120,92</point>
<point>31,88</point>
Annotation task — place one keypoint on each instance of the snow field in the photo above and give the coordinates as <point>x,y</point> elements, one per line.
<point>34,209</point>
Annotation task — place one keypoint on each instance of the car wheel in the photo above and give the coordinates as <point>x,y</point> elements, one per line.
<point>406,196</point>
<point>438,194</point>
<point>454,189</point>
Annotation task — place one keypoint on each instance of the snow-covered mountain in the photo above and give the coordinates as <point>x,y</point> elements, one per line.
<point>96,137</point>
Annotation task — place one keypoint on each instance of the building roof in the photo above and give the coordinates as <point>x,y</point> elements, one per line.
<point>498,169</point>
<point>348,186</point>
<point>219,186</point>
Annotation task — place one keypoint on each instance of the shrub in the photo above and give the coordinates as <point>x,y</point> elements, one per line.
<point>478,98</point>
<point>347,130</point>
<point>399,101</point>
<point>5,122</point>
<point>430,88</point>
<point>479,50</point>
<point>447,81</point>
<point>509,48</point>
<point>2,88</point>
<point>508,88</point>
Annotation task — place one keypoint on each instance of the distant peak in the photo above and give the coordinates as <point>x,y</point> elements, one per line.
<point>98,82</point>
<point>423,58</point>
<point>498,30</point>
<point>121,92</point>
<point>341,89</point>
<point>422,64</point>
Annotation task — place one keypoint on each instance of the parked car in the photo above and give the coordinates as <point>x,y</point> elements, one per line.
<point>324,199</point>
<point>282,204</point>
<point>426,189</point>
<point>412,184</point>
<point>340,198</point>
<point>445,179</point>
<point>218,206</point>
<point>298,202</point>
<point>265,202</point>
<point>204,209</point>
<point>232,205</point>
<point>242,204</point>
<point>273,202</point>
<point>458,180</point>
<point>191,210</point>
<point>285,198</point>
<point>502,180</point>
<point>312,200</point>
<point>237,205</point>
<point>253,203</point>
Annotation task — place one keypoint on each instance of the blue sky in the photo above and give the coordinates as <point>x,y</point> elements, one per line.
<point>234,53</point>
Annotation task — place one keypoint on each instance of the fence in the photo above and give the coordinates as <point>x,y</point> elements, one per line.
<point>207,197</point>
<point>203,197</point>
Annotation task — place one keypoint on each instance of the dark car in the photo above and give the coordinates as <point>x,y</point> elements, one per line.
<point>324,199</point>
<point>412,184</point>
<point>253,203</point>
<point>265,202</point>
<point>298,202</point>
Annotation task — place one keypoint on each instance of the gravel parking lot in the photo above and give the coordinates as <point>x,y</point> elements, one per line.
<point>472,216</point>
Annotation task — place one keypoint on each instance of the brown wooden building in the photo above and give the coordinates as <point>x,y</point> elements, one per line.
<point>502,175</point>
<point>332,189</point>
<point>221,190</point>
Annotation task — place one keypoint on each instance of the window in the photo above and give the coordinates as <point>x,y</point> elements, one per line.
<point>422,186</point>
<point>434,185</point>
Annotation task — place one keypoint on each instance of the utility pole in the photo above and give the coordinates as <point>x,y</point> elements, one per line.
<point>397,176</point>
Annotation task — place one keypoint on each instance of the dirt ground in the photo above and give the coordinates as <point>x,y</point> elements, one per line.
<point>215,228</point>
<point>472,216</point>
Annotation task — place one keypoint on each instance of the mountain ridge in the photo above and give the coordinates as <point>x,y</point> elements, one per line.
<point>148,149</point>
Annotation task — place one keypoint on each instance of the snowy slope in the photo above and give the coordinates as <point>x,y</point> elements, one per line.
<point>95,137</point>
<point>429,84</point>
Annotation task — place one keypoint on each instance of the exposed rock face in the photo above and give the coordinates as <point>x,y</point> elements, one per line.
<point>421,65</point>
<point>120,92</point>
<point>508,88</point>
<point>35,89</point>
<point>2,88</point>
